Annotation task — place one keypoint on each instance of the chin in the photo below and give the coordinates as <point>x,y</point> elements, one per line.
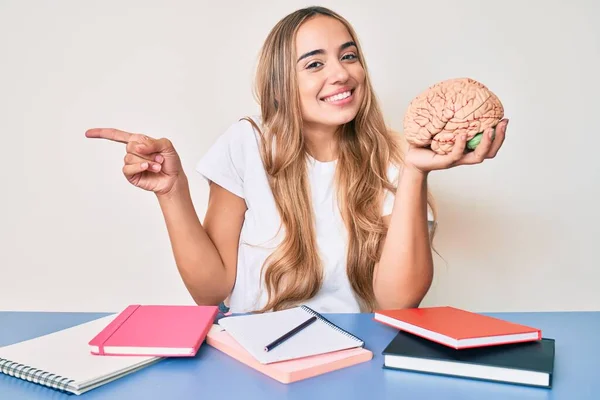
<point>341,118</point>
<point>330,119</point>
<point>336,117</point>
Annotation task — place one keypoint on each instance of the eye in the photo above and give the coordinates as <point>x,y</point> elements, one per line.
<point>314,64</point>
<point>349,56</point>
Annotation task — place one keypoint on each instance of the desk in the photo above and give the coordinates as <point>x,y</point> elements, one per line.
<point>213,375</point>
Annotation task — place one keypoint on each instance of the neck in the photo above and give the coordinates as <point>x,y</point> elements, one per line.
<point>321,142</point>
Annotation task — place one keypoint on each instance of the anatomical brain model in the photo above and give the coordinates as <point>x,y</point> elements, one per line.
<point>450,108</point>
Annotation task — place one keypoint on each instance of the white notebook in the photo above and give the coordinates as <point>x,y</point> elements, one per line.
<point>62,359</point>
<point>255,331</point>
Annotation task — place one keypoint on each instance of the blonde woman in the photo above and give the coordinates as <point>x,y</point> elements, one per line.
<point>314,201</point>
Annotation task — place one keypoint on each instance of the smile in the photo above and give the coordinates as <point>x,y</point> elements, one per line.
<point>339,97</point>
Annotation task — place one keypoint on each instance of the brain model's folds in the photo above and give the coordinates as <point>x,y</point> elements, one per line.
<point>450,108</point>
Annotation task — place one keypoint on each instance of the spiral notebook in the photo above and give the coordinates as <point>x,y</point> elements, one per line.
<point>292,370</point>
<point>62,360</point>
<point>253,332</point>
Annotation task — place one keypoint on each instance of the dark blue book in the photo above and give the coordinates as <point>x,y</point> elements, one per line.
<point>530,363</point>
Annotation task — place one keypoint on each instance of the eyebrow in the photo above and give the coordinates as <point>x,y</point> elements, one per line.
<point>321,51</point>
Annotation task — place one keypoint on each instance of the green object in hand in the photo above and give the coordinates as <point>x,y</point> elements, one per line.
<point>474,142</point>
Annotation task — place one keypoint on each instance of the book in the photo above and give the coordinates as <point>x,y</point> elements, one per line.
<point>292,370</point>
<point>62,360</point>
<point>155,330</point>
<point>456,328</point>
<point>527,363</point>
<point>254,331</point>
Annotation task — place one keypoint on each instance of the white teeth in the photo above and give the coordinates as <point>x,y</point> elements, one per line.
<point>339,96</point>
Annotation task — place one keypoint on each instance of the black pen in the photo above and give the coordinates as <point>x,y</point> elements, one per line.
<point>291,333</point>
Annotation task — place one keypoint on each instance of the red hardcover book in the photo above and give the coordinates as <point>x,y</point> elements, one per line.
<point>155,330</point>
<point>457,328</point>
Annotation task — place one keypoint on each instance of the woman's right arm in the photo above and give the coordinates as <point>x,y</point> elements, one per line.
<point>206,256</point>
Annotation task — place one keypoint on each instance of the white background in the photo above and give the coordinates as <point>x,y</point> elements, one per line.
<point>516,233</point>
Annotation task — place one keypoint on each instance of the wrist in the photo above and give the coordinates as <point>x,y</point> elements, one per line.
<point>412,180</point>
<point>414,173</point>
<point>180,188</point>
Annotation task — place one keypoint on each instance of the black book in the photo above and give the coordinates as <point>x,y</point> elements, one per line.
<point>530,363</point>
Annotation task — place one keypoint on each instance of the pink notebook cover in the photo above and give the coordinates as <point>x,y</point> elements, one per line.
<point>288,371</point>
<point>156,330</point>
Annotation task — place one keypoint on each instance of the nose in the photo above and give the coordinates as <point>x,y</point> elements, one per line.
<point>338,72</point>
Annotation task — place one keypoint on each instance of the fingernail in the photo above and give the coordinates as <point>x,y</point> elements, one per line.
<point>156,167</point>
<point>158,158</point>
<point>145,165</point>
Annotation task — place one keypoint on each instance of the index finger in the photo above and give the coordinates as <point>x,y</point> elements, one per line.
<point>110,134</point>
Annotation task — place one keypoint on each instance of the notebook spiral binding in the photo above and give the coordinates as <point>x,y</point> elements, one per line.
<point>31,374</point>
<point>331,324</point>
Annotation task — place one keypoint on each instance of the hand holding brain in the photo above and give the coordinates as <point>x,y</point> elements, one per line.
<point>437,116</point>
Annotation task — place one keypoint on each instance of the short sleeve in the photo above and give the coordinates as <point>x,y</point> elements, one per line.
<point>224,162</point>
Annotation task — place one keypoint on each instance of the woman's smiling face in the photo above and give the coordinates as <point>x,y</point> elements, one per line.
<point>330,75</point>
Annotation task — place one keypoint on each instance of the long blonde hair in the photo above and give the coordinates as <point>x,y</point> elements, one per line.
<point>293,272</point>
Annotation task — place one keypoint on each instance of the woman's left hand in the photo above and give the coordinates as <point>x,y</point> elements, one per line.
<point>426,160</point>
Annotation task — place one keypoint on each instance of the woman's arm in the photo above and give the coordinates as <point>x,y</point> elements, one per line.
<point>405,270</point>
<point>206,256</point>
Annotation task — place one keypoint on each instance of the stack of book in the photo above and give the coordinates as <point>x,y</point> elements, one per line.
<point>453,342</point>
<point>288,345</point>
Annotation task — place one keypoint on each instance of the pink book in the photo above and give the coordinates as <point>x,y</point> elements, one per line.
<point>291,370</point>
<point>155,330</point>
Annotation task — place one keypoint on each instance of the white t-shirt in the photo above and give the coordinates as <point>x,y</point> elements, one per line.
<point>234,163</point>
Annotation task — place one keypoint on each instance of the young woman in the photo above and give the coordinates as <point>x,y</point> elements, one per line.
<point>314,201</point>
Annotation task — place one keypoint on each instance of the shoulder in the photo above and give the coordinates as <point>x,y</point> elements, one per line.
<point>247,124</point>
<point>245,131</point>
<point>239,140</point>
<point>230,156</point>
